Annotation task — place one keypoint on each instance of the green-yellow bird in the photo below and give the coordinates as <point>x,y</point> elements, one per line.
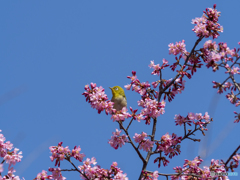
<point>119,98</point>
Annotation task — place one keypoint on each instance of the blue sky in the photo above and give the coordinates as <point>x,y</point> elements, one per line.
<point>50,50</point>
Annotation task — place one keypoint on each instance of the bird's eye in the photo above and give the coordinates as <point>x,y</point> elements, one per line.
<point>116,88</point>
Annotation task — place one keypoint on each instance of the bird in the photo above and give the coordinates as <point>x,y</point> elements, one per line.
<point>118,98</point>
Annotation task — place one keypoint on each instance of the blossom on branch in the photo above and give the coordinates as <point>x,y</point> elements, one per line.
<point>145,144</point>
<point>117,140</point>
<point>207,25</point>
<point>89,170</point>
<point>97,98</point>
<point>179,47</point>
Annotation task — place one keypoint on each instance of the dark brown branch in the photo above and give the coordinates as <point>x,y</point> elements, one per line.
<point>129,124</point>
<point>234,153</point>
<point>76,169</point>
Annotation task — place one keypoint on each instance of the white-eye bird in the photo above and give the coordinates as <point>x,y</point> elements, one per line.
<point>119,98</point>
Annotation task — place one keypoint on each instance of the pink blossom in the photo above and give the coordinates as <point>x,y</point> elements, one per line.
<point>128,87</point>
<point>121,116</point>
<point>235,70</point>
<point>138,138</point>
<point>237,116</point>
<point>210,45</point>
<point>236,158</point>
<point>157,68</point>
<point>191,116</point>
<point>117,140</point>
<point>179,120</point>
<point>93,171</point>
<point>56,174</point>
<point>12,157</point>
<point>8,145</point>
<point>151,107</point>
<point>120,176</point>
<point>155,175</point>
<point>198,116</point>
<point>208,25</point>
<point>97,98</point>
<point>58,153</point>
<point>76,153</point>
<point>167,144</point>
<point>193,168</point>
<point>146,145</point>
<point>139,117</point>
<point>155,84</point>
<point>150,176</point>
<point>201,27</point>
<point>133,77</point>
<point>179,47</point>
<point>232,97</point>
<point>194,163</point>
<point>42,175</point>
<point>206,117</point>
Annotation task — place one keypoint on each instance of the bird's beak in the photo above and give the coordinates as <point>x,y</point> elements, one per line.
<point>110,88</point>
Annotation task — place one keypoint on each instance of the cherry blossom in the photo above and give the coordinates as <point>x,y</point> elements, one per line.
<point>117,140</point>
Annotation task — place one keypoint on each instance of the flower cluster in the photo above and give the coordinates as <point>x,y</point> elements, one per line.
<point>56,174</point>
<point>121,116</point>
<point>97,98</point>
<point>43,175</point>
<point>213,54</point>
<point>60,153</point>
<point>137,86</point>
<point>222,87</point>
<point>4,146</point>
<point>145,144</point>
<point>135,116</point>
<point>10,175</point>
<point>89,170</point>
<point>157,68</point>
<point>207,25</point>
<point>10,157</point>
<point>220,55</point>
<point>180,120</point>
<point>151,108</point>
<point>192,170</point>
<point>169,144</point>
<point>150,176</point>
<point>117,140</point>
<point>237,116</point>
<point>177,87</point>
<point>234,163</point>
<point>233,98</point>
<point>179,47</point>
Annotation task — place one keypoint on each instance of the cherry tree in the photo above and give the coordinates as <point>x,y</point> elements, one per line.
<point>154,97</point>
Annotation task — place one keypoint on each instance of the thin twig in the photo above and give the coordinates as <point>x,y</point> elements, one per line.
<point>130,141</point>
<point>232,155</point>
<point>129,124</point>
